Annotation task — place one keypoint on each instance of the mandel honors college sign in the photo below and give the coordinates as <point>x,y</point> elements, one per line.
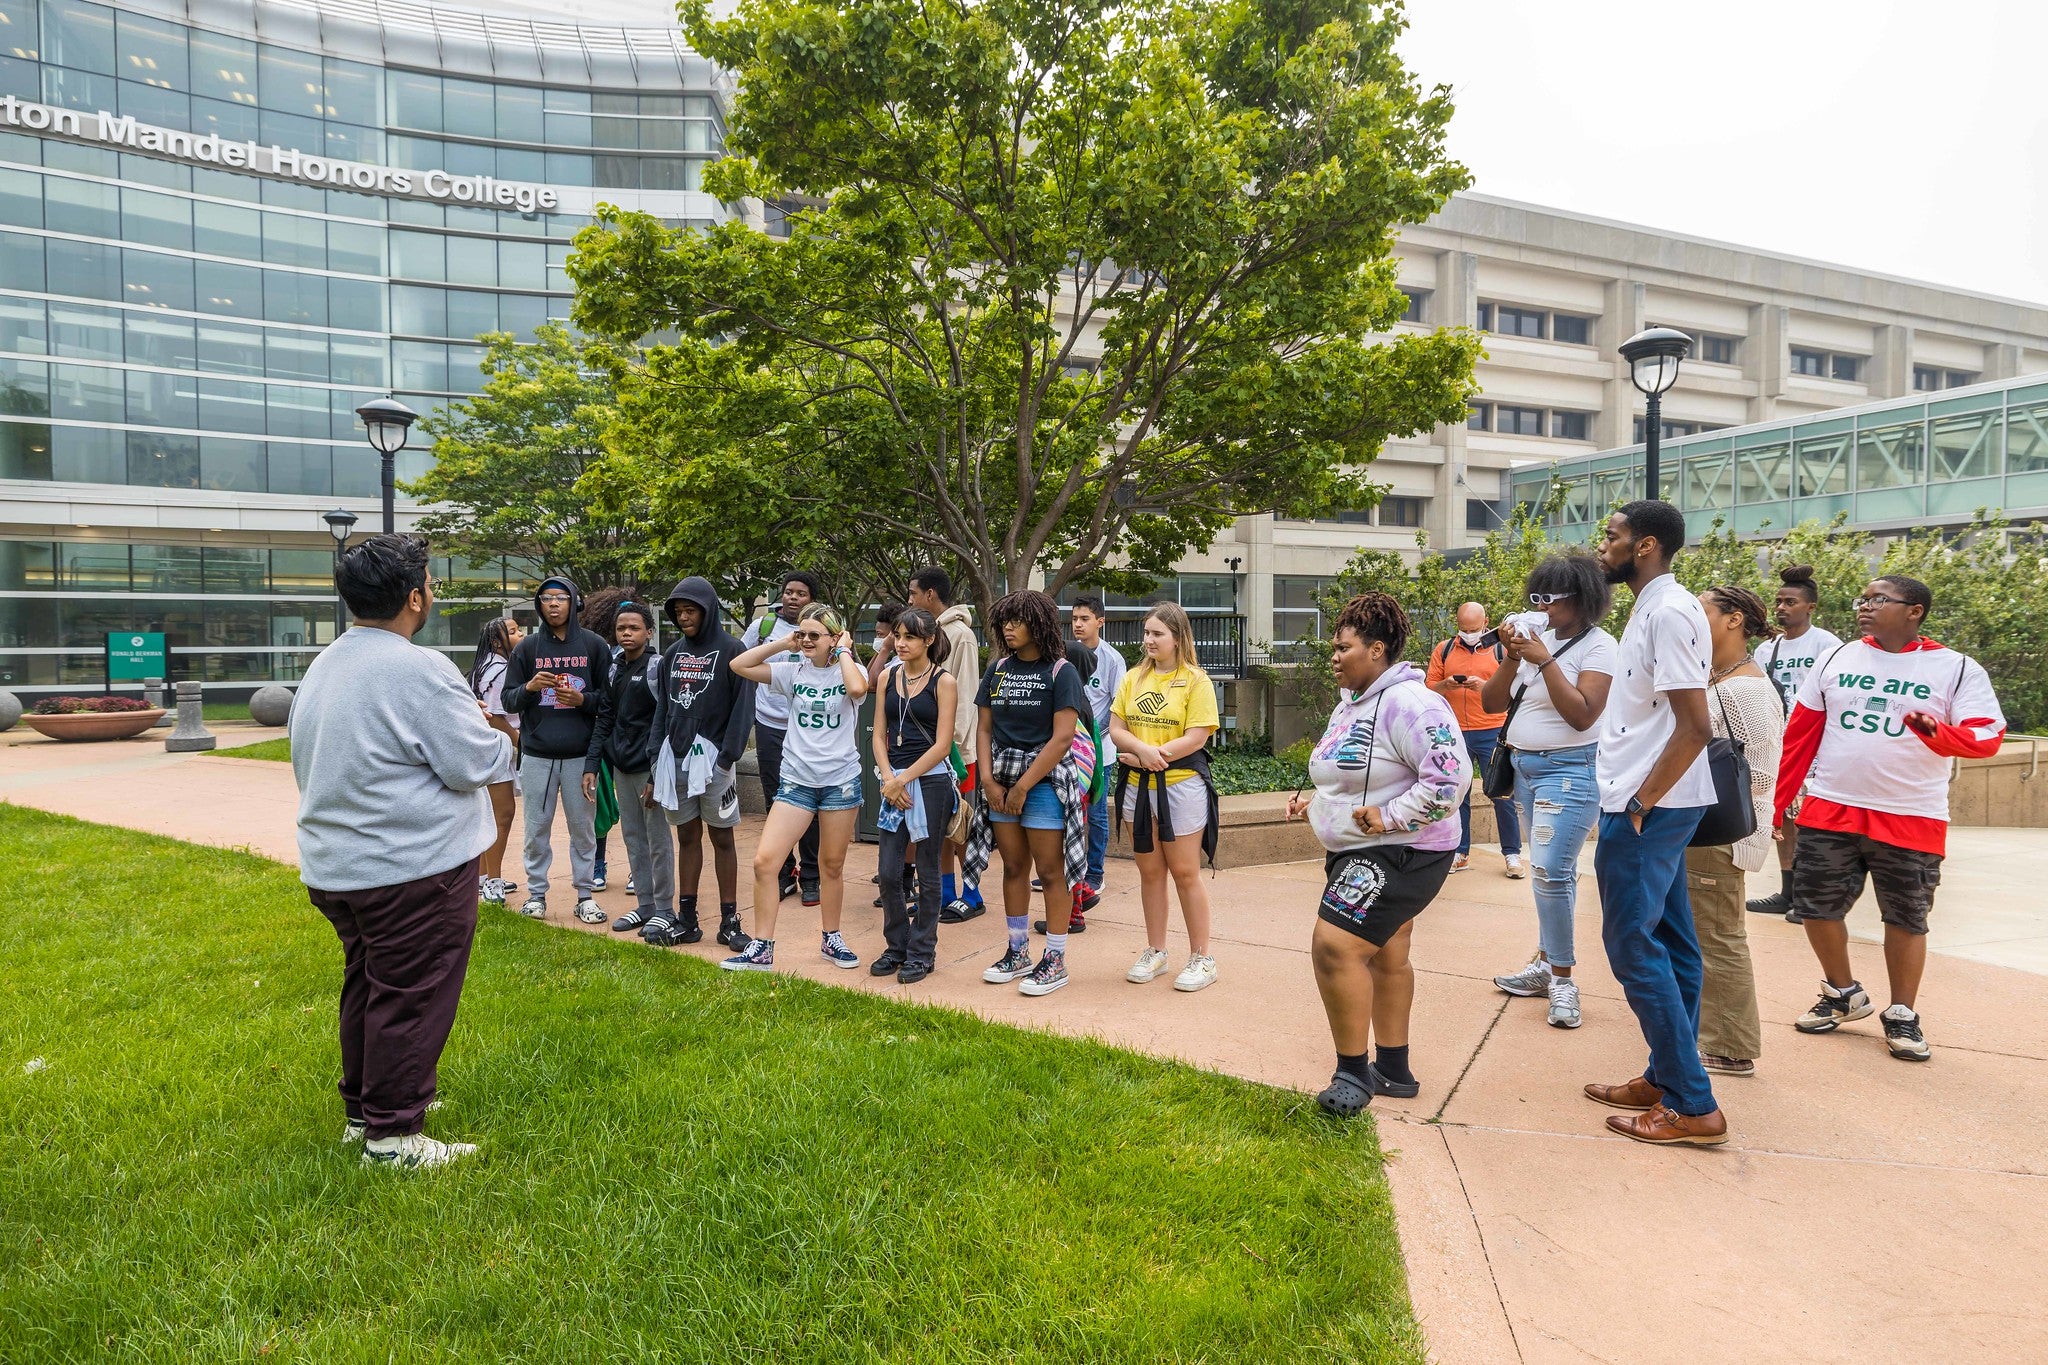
<point>282,163</point>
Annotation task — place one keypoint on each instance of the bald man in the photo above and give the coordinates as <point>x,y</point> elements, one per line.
<point>1459,668</point>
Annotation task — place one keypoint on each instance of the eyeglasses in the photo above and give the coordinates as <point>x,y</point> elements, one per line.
<point>555,597</point>
<point>1867,603</point>
<point>1544,599</point>
<point>807,637</point>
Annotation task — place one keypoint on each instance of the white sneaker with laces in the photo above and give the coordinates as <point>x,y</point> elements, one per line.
<point>1200,972</point>
<point>1151,964</point>
<point>1516,871</point>
<point>354,1130</point>
<point>415,1152</point>
<point>1564,1002</point>
<point>590,912</point>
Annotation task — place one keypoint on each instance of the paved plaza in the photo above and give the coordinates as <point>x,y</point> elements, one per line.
<point>1864,1210</point>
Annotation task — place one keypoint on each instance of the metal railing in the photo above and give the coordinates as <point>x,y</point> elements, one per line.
<point>1219,641</point>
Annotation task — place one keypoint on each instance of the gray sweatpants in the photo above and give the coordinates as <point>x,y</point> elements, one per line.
<point>542,782</point>
<point>650,852</point>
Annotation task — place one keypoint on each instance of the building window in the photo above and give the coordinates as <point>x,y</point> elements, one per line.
<point>1517,322</point>
<point>1480,515</point>
<point>1297,612</point>
<point>1573,331</point>
<point>1402,511</point>
<point>1518,421</point>
<point>1481,418</point>
<point>1929,378</point>
<point>1847,368</point>
<point>1486,317</point>
<point>1717,350</point>
<point>1416,298</point>
<point>1671,431</point>
<point>1828,365</point>
<point>1569,426</point>
<point>1958,379</point>
<point>1809,362</point>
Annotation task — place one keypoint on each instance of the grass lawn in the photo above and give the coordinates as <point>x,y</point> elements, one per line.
<point>678,1163</point>
<point>225,710</point>
<point>274,750</point>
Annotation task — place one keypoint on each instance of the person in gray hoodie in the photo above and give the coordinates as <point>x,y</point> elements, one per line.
<point>703,713</point>
<point>393,756</point>
<point>555,682</point>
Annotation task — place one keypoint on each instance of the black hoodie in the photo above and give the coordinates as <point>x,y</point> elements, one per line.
<point>625,736</point>
<point>547,731</point>
<point>699,693</point>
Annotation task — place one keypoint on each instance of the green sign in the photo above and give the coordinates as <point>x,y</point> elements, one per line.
<point>134,655</point>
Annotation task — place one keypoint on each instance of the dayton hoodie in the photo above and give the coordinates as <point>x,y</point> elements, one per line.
<point>553,724</point>
<point>698,693</point>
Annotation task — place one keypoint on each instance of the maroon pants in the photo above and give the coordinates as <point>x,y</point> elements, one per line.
<point>404,951</point>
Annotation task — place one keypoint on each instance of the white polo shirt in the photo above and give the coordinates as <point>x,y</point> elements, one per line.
<point>1664,649</point>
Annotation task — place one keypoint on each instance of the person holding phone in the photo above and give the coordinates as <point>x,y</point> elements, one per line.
<point>1458,672</point>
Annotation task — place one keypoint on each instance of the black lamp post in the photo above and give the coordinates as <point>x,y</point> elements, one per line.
<point>1653,358</point>
<point>388,421</point>
<point>339,523</point>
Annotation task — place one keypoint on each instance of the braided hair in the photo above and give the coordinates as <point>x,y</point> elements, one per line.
<point>1738,601</point>
<point>1037,614</point>
<point>1376,616</point>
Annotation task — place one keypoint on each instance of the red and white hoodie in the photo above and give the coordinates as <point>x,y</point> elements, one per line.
<point>1864,769</point>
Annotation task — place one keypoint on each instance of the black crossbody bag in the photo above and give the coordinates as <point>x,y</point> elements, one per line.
<point>1732,817</point>
<point>1500,777</point>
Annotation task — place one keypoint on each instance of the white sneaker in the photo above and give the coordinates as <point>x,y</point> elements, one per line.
<point>535,908</point>
<point>590,912</point>
<point>415,1152</point>
<point>1564,1002</point>
<point>354,1130</point>
<point>490,890</point>
<point>1200,972</point>
<point>1151,964</point>
<point>1515,869</point>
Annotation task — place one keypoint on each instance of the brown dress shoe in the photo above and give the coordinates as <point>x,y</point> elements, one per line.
<point>1636,1093</point>
<point>1666,1127</point>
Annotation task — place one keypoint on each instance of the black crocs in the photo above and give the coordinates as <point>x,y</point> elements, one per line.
<point>1397,1090</point>
<point>1345,1097</point>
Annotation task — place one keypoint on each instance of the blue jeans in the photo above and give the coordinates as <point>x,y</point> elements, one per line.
<point>1646,922</point>
<point>1560,799</point>
<point>1479,746</point>
<point>1098,837</point>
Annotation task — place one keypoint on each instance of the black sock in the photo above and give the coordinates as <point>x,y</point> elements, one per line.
<point>1785,882</point>
<point>728,910</point>
<point>1393,1064</point>
<point>1354,1067</point>
<point>686,907</point>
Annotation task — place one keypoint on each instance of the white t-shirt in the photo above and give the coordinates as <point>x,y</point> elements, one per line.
<point>820,749</point>
<point>1867,757</point>
<point>1786,662</point>
<point>492,690</point>
<point>770,709</point>
<point>1109,674</point>
<point>1537,726</point>
<point>1664,649</point>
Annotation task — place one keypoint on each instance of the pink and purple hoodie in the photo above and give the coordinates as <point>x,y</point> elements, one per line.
<point>1395,746</point>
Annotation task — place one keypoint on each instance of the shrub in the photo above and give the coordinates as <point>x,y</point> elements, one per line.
<point>83,706</point>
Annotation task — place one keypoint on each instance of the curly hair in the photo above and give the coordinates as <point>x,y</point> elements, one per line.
<point>1376,616</point>
<point>1738,601</point>
<point>601,608</point>
<point>1040,618</point>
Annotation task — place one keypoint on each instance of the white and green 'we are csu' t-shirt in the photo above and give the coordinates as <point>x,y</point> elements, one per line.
<point>1787,662</point>
<point>820,749</point>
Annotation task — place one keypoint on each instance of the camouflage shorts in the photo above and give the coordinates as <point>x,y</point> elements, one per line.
<point>1828,871</point>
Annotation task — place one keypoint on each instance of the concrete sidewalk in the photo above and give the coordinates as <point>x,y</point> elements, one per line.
<point>1864,1210</point>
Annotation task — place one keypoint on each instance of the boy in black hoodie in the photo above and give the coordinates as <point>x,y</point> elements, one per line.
<point>702,716</point>
<point>625,737</point>
<point>554,682</point>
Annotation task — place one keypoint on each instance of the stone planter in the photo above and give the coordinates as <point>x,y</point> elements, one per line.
<point>94,724</point>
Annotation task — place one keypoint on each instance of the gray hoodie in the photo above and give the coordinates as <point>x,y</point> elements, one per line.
<point>392,756</point>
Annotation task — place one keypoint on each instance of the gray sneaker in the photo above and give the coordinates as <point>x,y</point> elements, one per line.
<point>1533,979</point>
<point>1564,1002</point>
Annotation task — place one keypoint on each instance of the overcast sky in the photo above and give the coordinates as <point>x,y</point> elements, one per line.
<point>1906,138</point>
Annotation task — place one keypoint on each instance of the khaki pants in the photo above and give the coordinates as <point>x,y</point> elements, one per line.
<point>1728,1019</point>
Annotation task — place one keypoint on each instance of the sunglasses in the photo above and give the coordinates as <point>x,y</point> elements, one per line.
<point>1544,599</point>
<point>807,637</point>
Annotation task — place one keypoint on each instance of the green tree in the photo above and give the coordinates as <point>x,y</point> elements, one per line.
<point>1079,282</point>
<point>1990,601</point>
<point>509,460</point>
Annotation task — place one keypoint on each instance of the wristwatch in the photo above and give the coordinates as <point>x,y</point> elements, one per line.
<point>1636,806</point>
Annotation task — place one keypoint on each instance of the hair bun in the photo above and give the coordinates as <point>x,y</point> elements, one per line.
<point>1796,575</point>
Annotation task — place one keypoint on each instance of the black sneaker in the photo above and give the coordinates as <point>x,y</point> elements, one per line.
<point>729,932</point>
<point>889,961</point>
<point>1773,904</point>
<point>1075,924</point>
<point>785,886</point>
<point>811,893</point>
<point>912,973</point>
<point>687,930</point>
<point>1835,1008</point>
<point>1902,1034</point>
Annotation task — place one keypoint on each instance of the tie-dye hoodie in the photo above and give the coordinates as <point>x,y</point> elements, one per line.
<point>1395,746</point>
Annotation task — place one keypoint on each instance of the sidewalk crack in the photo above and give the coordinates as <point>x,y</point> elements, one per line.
<point>1491,1025</point>
<point>1480,1232</point>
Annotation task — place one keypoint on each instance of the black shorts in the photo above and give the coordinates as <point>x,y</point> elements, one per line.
<point>1829,866</point>
<point>1372,892</point>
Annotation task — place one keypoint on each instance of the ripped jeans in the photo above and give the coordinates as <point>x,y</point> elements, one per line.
<point>1559,794</point>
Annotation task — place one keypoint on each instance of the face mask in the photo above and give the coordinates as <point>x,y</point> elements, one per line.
<point>1471,637</point>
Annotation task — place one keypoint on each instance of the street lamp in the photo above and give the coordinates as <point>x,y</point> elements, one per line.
<point>339,522</point>
<point>388,421</point>
<point>1653,358</point>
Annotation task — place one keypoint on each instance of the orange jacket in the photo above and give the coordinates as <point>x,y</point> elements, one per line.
<point>1453,657</point>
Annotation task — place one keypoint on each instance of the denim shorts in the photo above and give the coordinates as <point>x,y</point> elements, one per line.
<point>845,796</point>
<point>1041,809</point>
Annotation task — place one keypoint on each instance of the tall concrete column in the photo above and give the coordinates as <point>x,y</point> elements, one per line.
<point>2001,361</point>
<point>1767,358</point>
<point>1457,274</point>
<point>1891,362</point>
<point>1621,317</point>
<point>1255,596</point>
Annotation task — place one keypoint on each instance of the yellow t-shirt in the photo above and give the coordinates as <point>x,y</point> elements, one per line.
<point>1158,707</point>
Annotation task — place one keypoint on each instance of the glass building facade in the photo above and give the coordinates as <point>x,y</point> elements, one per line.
<point>223,226</point>
<point>1889,466</point>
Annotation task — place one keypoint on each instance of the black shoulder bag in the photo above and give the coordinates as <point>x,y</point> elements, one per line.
<point>1732,817</point>
<point>1500,778</point>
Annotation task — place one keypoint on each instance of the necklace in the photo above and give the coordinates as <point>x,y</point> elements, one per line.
<point>1721,673</point>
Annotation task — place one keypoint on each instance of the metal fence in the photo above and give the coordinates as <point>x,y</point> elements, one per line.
<point>1219,641</point>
